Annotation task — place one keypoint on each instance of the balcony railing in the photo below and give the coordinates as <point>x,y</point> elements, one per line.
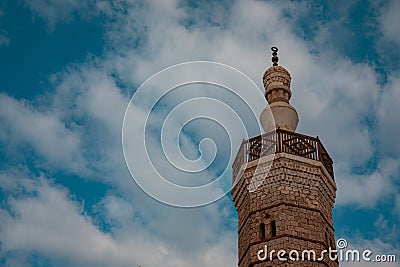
<point>282,141</point>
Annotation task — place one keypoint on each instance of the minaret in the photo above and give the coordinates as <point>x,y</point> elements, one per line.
<point>291,208</point>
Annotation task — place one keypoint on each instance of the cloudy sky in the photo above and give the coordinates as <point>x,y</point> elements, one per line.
<point>68,69</point>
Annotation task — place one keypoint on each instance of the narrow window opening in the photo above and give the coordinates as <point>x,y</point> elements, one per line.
<point>273,228</point>
<point>326,240</point>
<point>262,231</point>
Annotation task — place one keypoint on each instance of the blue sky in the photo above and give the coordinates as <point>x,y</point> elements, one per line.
<point>68,69</point>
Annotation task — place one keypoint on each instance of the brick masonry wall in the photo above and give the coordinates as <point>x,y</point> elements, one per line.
<point>298,195</point>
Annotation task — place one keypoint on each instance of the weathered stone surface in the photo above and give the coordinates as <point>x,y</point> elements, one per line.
<point>298,196</point>
<point>279,114</point>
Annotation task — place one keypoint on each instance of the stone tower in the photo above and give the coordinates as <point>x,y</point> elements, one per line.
<point>290,208</point>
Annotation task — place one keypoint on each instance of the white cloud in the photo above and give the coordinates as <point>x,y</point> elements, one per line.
<point>90,99</point>
<point>46,133</point>
<point>389,20</point>
<point>379,185</point>
<point>389,124</point>
<point>50,223</point>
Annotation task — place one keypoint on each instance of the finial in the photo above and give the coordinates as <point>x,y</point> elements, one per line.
<point>274,56</point>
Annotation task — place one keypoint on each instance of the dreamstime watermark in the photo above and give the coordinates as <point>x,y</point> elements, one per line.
<point>341,253</point>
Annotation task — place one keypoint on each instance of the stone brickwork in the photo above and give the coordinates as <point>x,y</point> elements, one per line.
<point>277,84</point>
<point>291,209</point>
<point>276,81</point>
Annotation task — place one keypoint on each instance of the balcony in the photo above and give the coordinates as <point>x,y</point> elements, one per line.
<point>282,141</point>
